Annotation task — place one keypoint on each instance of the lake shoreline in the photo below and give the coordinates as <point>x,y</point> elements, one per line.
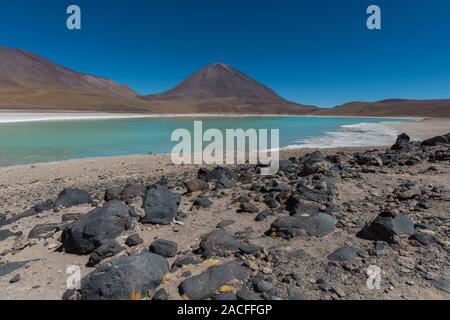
<point>14,116</point>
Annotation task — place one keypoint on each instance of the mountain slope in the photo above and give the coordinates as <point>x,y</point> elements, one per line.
<point>27,70</point>
<point>392,108</point>
<point>223,89</point>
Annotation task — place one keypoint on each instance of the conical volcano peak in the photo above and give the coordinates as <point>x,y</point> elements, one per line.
<point>219,80</point>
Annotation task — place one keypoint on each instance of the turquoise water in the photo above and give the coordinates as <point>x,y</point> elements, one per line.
<point>33,142</point>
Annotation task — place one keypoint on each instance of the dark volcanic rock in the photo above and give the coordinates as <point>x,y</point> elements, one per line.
<point>132,191</point>
<point>164,248</point>
<point>196,185</point>
<point>125,278</point>
<point>225,223</point>
<point>202,202</point>
<point>387,225</point>
<point>295,294</point>
<point>134,240</point>
<point>402,142</point>
<point>43,231</point>
<point>160,205</point>
<point>66,217</point>
<point>368,159</point>
<point>112,194</point>
<point>315,163</point>
<point>435,141</point>
<point>203,286</point>
<point>214,175</point>
<point>318,225</point>
<point>9,267</point>
<point>183,261</point>
<point>263,215</point>
<point>44,206</point>
<point>343,254</point>
<point>106,250</point>
<point>96,227</point>
<point>247,207</point>
<point>160,295</point>
<point>296,207</point>
<point>424,238</point>
<point>225,297</point>
<point>218,243</point>
<point>443,284</point>
<point>5,234</point>
<point>70,197</point>
<point>15,279</point>
<point>248,295</point>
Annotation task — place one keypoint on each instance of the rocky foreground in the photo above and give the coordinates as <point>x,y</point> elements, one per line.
<point>322,228</point>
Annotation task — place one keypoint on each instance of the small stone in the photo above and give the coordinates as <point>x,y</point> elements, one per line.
<point>161,295</point>
<point>15,279</point>
<point>134,240</point>
<point>247,207</point>
<point>165,248</point>
<point>196,185</point>
<point>343,254</point>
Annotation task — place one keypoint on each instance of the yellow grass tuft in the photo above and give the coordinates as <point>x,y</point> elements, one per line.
<point>211,263</point>
<point>135,296</point>
<point>226,289</point>
<point>166,278</point>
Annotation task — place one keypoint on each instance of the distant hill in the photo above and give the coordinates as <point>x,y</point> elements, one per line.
<point>30,82</point>
<point>392,108</point>
<point>223,89</point>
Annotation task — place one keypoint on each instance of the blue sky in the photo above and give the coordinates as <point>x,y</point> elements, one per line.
<point>314,52</point>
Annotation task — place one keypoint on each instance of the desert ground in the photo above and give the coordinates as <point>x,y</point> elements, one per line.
<point>255,237</point>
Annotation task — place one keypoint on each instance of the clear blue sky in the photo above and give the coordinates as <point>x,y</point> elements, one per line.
<point>314,52</point>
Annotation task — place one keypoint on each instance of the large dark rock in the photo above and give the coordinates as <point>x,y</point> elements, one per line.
<point>435,141</point>
<point>43,231</point>
<point>70,197</point>
<point>96,227</point>
<point>318,225</point>
<point>160,205</point>
<point>106,250</point>
<point>387,225</point>
<point>125,278</point>
<point>165,248</point>
<point>204,285</point>
<point>402,142</point>
<point>218,243</point>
